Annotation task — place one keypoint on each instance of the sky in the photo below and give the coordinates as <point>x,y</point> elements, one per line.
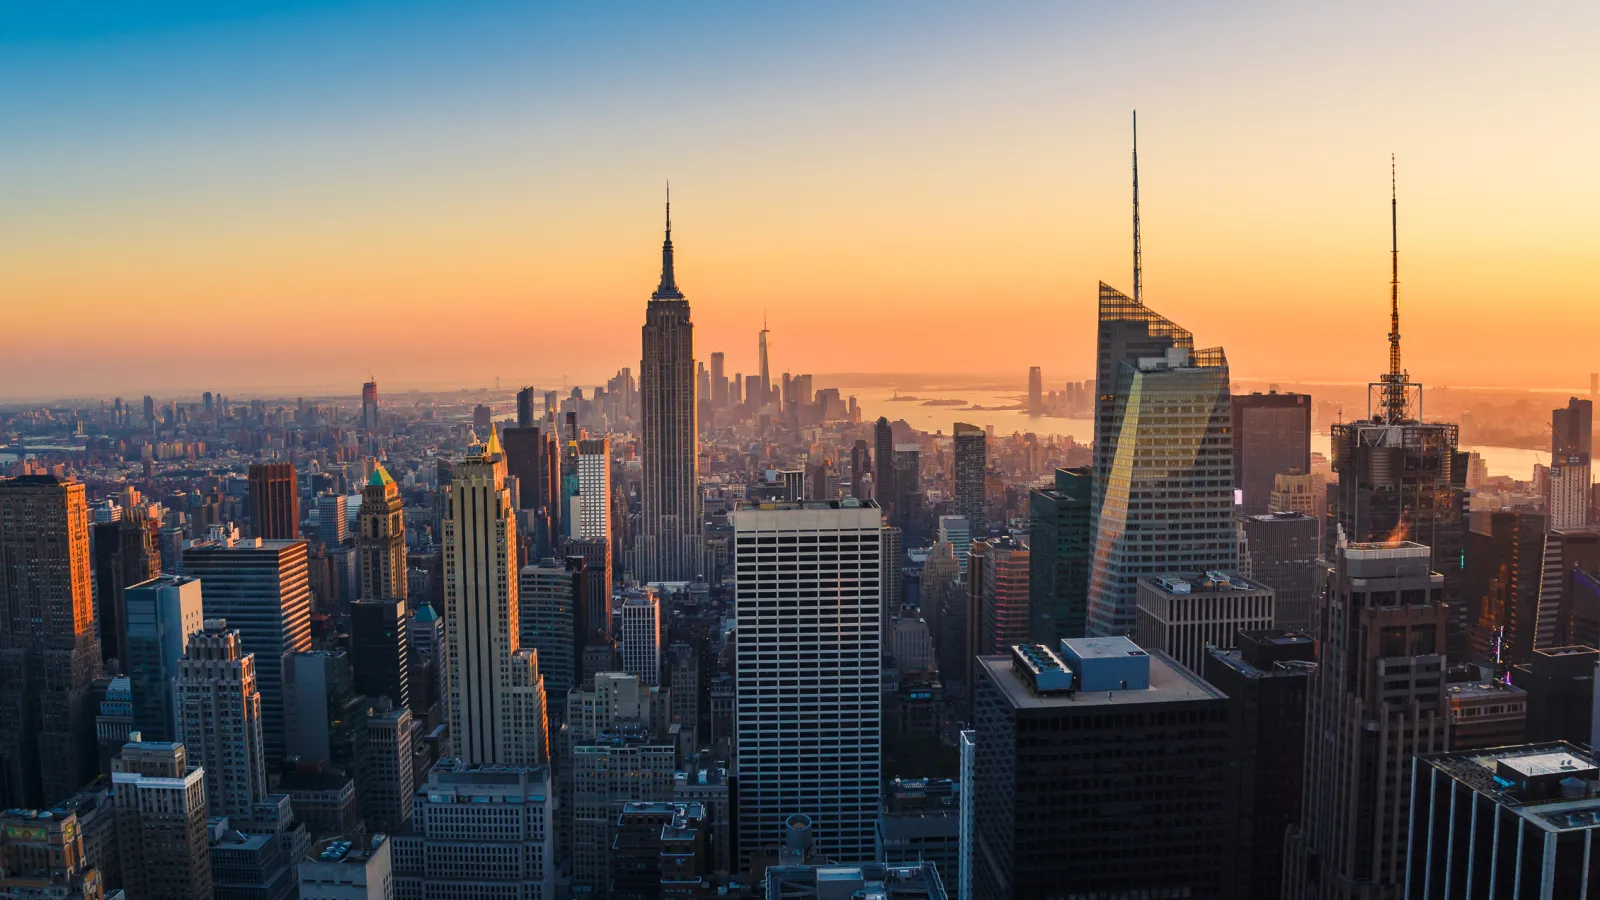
<point>256,195</point>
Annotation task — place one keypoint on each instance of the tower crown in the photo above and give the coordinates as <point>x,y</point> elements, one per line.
<point>668,289</point>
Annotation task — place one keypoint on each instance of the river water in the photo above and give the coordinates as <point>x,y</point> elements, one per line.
<point>1514,462</point>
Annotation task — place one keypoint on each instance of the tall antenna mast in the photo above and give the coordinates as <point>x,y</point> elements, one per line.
<point>1138,271</point>
<point>1394,395</point>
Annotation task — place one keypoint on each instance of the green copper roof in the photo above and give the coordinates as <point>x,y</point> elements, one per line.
<point>380,477</point>
<point>427,613</point>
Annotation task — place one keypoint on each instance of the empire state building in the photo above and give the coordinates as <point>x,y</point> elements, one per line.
<point>670,531</point>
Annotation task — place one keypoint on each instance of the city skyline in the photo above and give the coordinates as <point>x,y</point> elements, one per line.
<point>976,159</point>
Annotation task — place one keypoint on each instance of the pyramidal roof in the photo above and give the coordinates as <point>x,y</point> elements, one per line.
<point>493,447</point>
<point>427,613</point>
<point>380,477</point>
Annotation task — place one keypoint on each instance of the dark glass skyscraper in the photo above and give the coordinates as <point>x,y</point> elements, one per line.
<point>274,501</point>
<point>670,527</point>
<point>883,474</point>
<point>971,462</point>
<point>1271,436</point>
<point>1061,540</point>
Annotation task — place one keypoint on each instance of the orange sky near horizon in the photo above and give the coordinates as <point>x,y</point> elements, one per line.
<point>916,196</point>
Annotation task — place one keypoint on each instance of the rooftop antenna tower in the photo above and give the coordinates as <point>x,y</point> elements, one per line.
<point>1138,270</point>
<point>1394,388</point>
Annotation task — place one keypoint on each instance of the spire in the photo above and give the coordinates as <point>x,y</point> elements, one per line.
<point>493,447</point>
<point>1138,270</point>
<point>1394,381</point>
<point>668,289</point>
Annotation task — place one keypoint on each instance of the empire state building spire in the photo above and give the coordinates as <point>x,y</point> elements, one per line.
<point>668,290</point>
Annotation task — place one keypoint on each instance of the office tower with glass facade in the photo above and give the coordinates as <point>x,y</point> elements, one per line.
<point>263,589</point>
<point>1164,497</point>
<point>1280,551</point>
<point>1004,619</point>
<point>1271,437</point>
<point>1265,680</point>
<point>125,552</point>
<point>883,471</point>
<point>1517,821</point>
<point>48,648</point>
<point>274,501</point>
<point>1376,698</point>
<point>496,696</point>
<point>162,613</point>
<point>971,465</point>
<point>1060,541</point>
<point>809,686</point>
<point>548,593</point>
<point>380,652</point>
<point>1057,809</point>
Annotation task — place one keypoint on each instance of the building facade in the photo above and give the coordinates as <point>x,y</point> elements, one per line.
<point>1057,809</point>
<point>1376,699</point>
<point>808,650</point>
<point>1060,544</point>
<point>274,501</point>
<point>48,648</point>
<point>1185,616</point>
<point>219,719</point>
<point>670,519</point>
<point>496,697</point>
<point>161,823</point>
<point>478,831</point>
<point>262,588</point>
<point>1271,437</point>
<point>381,539</point>
<point>1163,498</point>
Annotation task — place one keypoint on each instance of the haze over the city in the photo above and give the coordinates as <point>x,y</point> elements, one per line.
<point>265,195</point>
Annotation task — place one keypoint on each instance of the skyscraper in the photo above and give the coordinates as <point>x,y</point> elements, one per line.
<point>1376,699</point>
<point>161,823</point>
<point>1571,447</point>
<point>1271,436</point>
<point>1400,478</point>
<point>48,650</point>
<point>971,464</point>
<point>765,375</point>
<point>593,518</point>
<point>883,474</point>
<point>1282,554</point>
<point>1035,391</point>
<point>162,613</point>
<point>1504,822</point>
<point>548,593</point>
<point>719,380</point>
<point>274,501</point>
<point>1172,457</point>
<point>1061,809</point>
<point>809,683</point>
<point>262,589</point>
<point>125,552</point>
<point>670,526</point>
<point>466,815</point>
<point>219,719</point>
<point>525,414</point>
<point>369,405</point>
<point>908,492</point>
<point>497,702</point>
<point>379,650</point>
<point>1060,541</point>
<point>1503,583</point>
<point>381,539</point>
<point>860,463</point>
<point>641,636</point>
<point>1265,680</point>
<point>1004,583</point>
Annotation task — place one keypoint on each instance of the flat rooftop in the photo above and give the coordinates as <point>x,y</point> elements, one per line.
<point>1169,683</point>
<point>1478,769</point>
